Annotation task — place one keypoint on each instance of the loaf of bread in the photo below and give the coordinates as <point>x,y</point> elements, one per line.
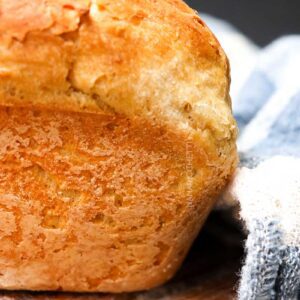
<point>116,136</point>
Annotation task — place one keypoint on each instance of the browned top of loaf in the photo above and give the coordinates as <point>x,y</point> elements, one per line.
<point>150,58</point>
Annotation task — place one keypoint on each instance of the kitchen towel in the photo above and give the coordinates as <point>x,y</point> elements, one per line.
<point>266,186</point>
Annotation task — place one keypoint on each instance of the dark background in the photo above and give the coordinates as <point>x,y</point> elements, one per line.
<point>261,20</point>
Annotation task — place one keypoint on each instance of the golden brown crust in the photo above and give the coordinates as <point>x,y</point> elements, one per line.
<point>91,203</point>
<point>118,136</point>
<point>133,57</point>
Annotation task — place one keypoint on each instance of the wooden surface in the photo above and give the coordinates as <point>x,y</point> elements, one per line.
<point>209,272</point>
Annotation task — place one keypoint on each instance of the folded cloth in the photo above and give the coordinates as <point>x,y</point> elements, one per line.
<point>267,184</point>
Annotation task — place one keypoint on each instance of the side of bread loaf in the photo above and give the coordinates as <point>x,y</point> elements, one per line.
<point>116,134</point>
<point>91,202</point>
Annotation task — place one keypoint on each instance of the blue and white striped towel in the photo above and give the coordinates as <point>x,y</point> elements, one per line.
<point>267,184</point>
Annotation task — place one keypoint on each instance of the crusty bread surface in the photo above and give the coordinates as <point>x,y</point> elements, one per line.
<point>116,136</point>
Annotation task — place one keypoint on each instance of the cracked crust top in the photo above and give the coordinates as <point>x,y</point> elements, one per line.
<point>152,59</point>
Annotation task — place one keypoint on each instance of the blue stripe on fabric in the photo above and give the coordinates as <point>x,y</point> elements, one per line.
<point>262,262</point>
<point>284,135</point>
<point>288,281</point>
<point>252,97</point>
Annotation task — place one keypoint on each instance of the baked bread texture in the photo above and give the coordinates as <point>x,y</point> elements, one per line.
<point>116,135</point>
